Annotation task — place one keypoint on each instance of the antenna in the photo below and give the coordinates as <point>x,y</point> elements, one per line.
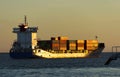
<point>96,37</point>
<point>26,24</point>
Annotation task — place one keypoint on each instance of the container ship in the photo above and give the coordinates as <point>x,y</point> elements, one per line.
<point>28,46</point>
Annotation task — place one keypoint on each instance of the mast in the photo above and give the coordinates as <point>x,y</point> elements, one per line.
<point>25,20</point>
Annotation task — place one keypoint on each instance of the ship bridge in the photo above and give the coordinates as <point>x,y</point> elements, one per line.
<point>28,29</point>
<point>26,36</point>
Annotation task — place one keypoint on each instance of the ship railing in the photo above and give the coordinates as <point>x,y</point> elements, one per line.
<point>114,56</point>
<point>67,51</point>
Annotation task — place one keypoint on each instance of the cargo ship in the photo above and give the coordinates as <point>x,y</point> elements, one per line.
<point>28,46</point>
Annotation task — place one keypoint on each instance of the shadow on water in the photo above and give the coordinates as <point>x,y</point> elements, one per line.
<point>8,63</point>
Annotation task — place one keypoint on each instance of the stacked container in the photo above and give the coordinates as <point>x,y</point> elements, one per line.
<point>55,45</point>
<point>54,38</point>
<point>62,38</point>
<point>59,43</point>
<point>91,44</point>
<point>71,45</point>
<point>63,44</point>
<point>80,44</point>
<point>44,44</point>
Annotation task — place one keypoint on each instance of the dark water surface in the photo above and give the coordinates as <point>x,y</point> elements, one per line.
<point>89,67</point>
<point>7,62</point>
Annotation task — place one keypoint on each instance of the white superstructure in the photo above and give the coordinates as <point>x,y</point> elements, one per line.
<point>26,36</point>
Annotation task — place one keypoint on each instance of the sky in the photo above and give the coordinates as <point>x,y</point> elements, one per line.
<point>77,19</point>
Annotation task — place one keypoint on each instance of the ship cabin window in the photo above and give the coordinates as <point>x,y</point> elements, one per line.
<point>39,50</point>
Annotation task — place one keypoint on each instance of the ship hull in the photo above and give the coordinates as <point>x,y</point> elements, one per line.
<point>77,54</point>
<point>84,54</point>
<point>39,53</point>
<point>19,54</point>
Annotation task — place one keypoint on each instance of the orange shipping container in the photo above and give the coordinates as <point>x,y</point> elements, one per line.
<point>80,41</point>
<point>92,41</point>
<point>54,38</point>
<point>72,48</point>
<point>55,45</point>
<point>91,48</point>
<point>72,45</point>
<point>80,48</point>
<point>55,41</point>
<point>80,44</point>
<point>92,45</point>
<point>63,41</point>
<point>63,48</point>
<point>55,48</point>
<point>62,38</point>
<point>72,41</point>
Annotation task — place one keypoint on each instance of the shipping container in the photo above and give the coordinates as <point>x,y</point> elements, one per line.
<point>71,45</point>
<point>63,45</point>
<point>91,44</point>
<point>74,45</point>
<point>55,45</point>
<point>91,48</point>
<point>62,38</point>
<point>85,44</point>
<point>80,41</point>
<point>55,41</point>
<point>80,44</point>
<point>94,45</point>
<point>63,41</point>
<point>80,48</point>
<point>54,38</point>
<point>92,41</point>
<point>63,48</point>
<point>72,41</point>
<point>44,44</point>
<point>55,48</point>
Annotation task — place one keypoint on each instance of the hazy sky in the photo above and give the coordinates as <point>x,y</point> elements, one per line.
<point>77,19</point>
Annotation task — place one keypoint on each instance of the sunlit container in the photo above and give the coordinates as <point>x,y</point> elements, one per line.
<point>80,41</point>
<point>72,41</point>
<point>55,45</point>
<point>63,48</point>
<point>72,48</point>
<point>55,41</point>
<point>63,45</point>
<point>63,41</point>
<point>71,45</point>
<point>94,45</point>
<point>80,44</point>
<point>92,41</point>
<point>91,48</point>
<point>80,48</point>
<point>62,38</point>
<point>55,48</point>
<point>54,38</point>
